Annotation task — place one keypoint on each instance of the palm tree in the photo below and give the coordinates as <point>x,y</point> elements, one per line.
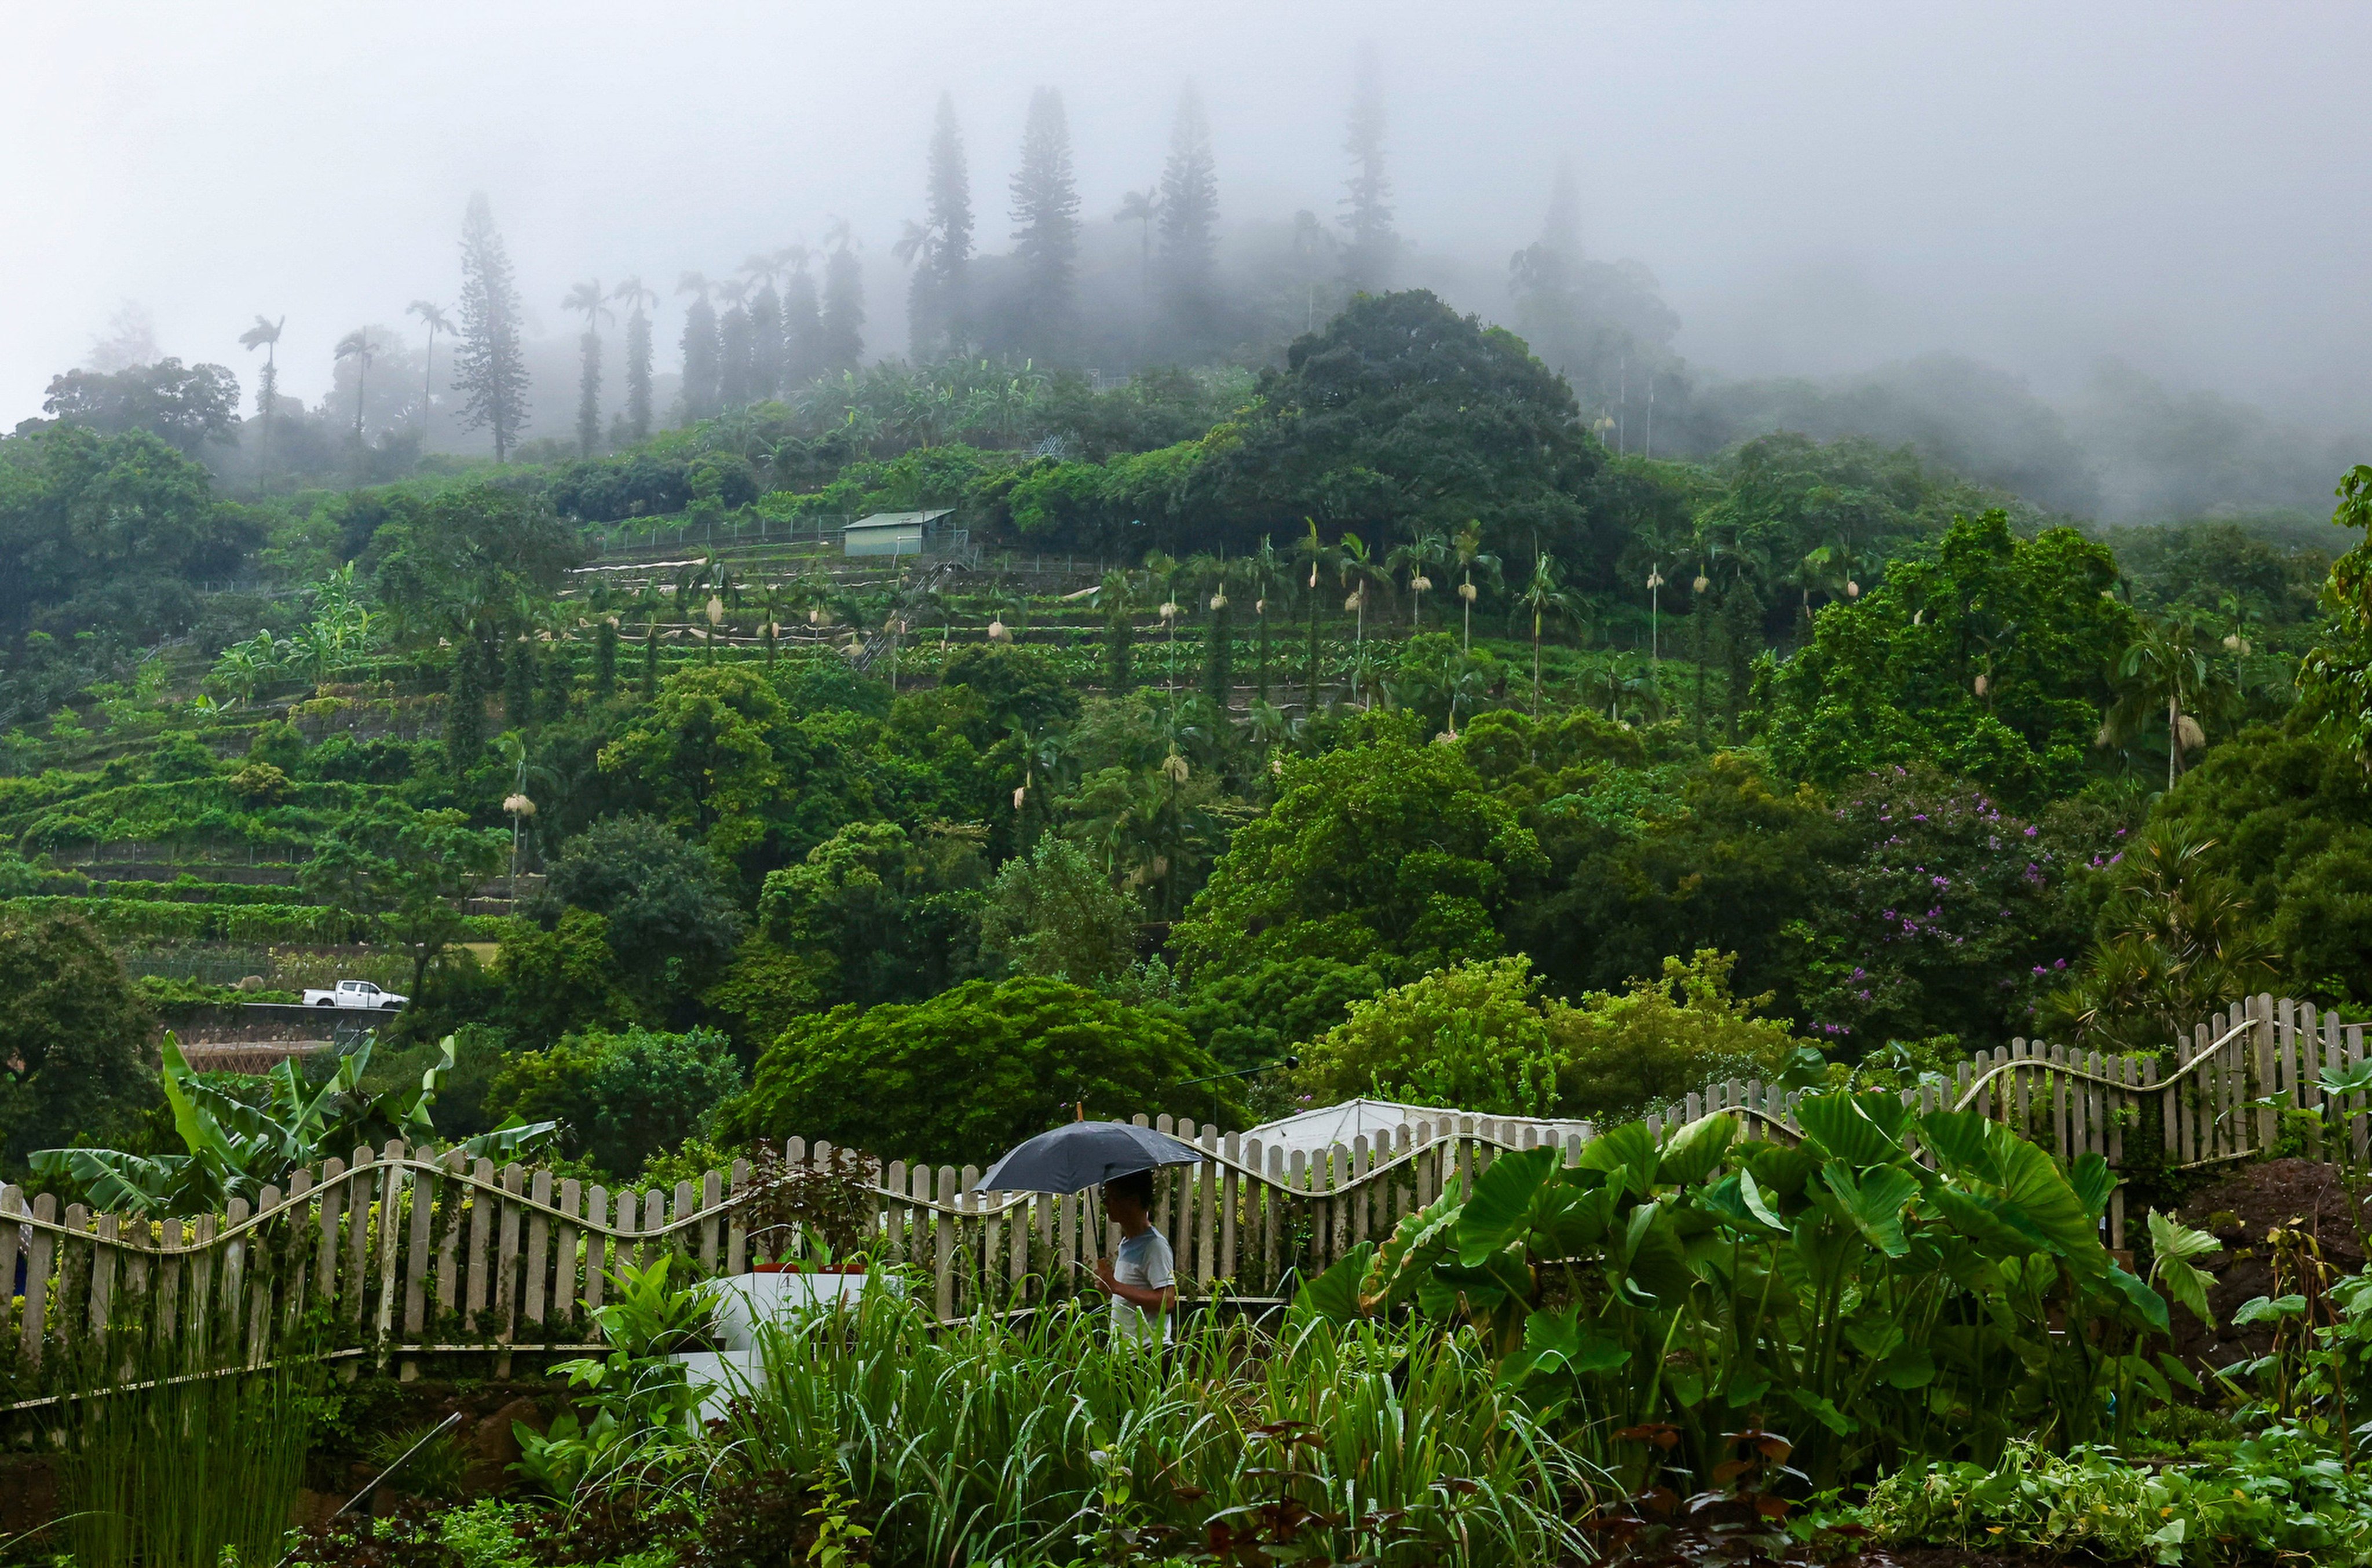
<point>587,299</point>
<point>1265,574</point>
<point>1116,597</point>
<point>1141,207</point>
<point>1541,598</point>
<point>1424,550</point>
<point>433,318</point>
<point>1360,570</point>
<point>2166,668</point>
<point>356,345</point>
<point>1472,558</point>
<point>265,335</point>
<point>1320,555</point>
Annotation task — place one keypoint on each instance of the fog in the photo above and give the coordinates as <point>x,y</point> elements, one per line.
<point>2098,212</point>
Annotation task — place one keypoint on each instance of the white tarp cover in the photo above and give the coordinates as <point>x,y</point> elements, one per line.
<point>1327,1125</point>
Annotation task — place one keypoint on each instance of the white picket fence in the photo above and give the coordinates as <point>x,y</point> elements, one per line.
<point>398,1255</point>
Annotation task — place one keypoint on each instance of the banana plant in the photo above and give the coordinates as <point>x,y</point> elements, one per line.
<point>1888,1283</point>
<point>234,1149</point>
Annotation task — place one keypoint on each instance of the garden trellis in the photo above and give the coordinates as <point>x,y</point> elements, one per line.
<point>399,1255</point>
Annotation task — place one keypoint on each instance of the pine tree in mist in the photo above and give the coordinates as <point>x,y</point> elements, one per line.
<point>1372,248</point>
<point>588,300</point>
<point>640,301</point>
<point>700,351</point>
<point>1189,219</point>
<point>733,345</point>
<point>840,335</point>
<point>802,322</point>
<point>942,246</point>
<point>1046,242</point>
<point>1541,275</point>
<point>489,368</point>
<point>765,330</point>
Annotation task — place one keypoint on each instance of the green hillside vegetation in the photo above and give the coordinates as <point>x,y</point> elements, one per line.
<point>1247,715</point>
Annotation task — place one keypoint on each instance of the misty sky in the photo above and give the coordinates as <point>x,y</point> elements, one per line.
<point>1818,187</point>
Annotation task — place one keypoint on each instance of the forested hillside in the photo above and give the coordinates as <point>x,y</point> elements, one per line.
<point>1363,708</point>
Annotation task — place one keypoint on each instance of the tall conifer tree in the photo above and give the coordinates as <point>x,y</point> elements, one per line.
<point>489,368</point>
<point>638,355</point>
<point>841,334</point>
<point>1372,248</point>
<point>732,346</point>
<point>765,334</point>
<point>802,324</point>
<point>1046,239</point>
<point>935,298</point>
<point>701,354</point>
<point>1189,219</point>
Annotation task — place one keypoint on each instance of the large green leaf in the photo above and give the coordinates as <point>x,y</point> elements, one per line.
<point>1962,1143</point>
<point>1998,1229</point>
<point>1859,1129</point>
<point>1501,1208</point>
<point>1555,1341</point>
<point>1693,1152</point>
<point>1875,1203</point>
<point>1656,1258</point>
<point>2146,1304</point>
<point>2029,1191</point>
<point>1406,1258</point>
<point>1627,1147</point>
<point>2173,1245</point>
<point>2094,1183</point>
<point>1334,1294</point>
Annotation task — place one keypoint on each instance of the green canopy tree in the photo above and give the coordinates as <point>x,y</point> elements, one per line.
<point>1990,662</point>
<point>1389,852</point>
<point>405,872</point>
<point>71,1038</point>
<point>1398,417</point>
<point>972,1071</point>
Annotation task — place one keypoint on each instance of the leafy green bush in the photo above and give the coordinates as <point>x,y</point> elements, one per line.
<point>969,1073</point>
<point>2280,1497</point>
<point>619,1098</point>
<point>1478,1037</point>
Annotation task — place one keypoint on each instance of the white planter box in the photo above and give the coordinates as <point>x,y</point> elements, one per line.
<point>716,1375</point>
<point>744,1301</point>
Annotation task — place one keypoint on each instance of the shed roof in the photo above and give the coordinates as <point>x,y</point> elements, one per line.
<point>899,519</point>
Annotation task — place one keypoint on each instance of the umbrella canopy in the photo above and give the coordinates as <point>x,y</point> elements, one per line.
<point>1080,1155</point>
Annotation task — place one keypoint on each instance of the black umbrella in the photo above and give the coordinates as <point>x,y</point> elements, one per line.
<point>1080,1155</point>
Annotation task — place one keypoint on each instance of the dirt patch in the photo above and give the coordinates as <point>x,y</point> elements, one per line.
<point>2241,1209</point>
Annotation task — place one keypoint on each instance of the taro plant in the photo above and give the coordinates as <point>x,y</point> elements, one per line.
<point>1877,1303</point>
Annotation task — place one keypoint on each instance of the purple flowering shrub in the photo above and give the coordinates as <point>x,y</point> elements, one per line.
<point>1941,912</point>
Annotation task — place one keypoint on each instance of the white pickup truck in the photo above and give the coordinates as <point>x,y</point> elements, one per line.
<point>354,994</point>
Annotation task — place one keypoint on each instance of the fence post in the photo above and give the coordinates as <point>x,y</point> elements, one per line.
<point>38,1262</point>
<point>945,1224</point>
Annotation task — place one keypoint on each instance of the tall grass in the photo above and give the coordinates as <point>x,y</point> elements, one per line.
<point>179,1474</point>
<point>1031,1440</point>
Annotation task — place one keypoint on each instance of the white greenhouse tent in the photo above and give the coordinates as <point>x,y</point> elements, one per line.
<point>1327,1125</point>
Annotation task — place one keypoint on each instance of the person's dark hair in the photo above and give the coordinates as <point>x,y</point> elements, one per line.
<point>1136,1184</point>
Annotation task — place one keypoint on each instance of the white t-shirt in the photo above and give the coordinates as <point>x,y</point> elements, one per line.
<point>1145,1261</point>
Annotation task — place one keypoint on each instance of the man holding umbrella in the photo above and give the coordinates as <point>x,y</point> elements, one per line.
<point>1142,1280</point>
<point>1119,1157</point>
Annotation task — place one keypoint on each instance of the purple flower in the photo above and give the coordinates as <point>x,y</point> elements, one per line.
<point>2031,831</point>
<point>1859,974</point>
